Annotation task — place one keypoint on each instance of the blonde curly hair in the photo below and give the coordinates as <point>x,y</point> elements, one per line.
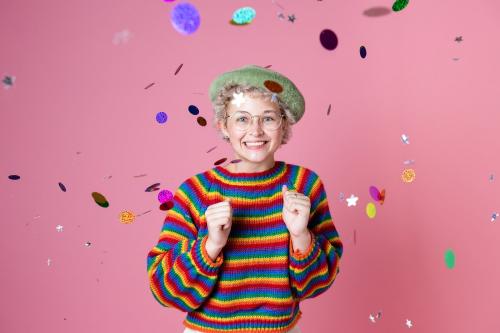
<point>225,95</point>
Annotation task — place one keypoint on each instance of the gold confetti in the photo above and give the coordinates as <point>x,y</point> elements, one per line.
<point>127,217</point>
<point>408,175</point>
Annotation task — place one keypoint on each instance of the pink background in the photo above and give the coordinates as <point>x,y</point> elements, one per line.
<point>77,91</point>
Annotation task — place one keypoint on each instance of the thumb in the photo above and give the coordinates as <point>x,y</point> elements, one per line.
<point>284,188</point>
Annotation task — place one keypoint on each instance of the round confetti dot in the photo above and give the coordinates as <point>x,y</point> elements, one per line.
<point>201,121</point>
<point>449,258</point>
<point>222,160</point>
<point>14,177</point>
<point>153,187</point>
<point>399,5</point>
<point>167,205</point>
<point>161,117</point>
<point>328,39</point>
<point>273,86</point>
<point>193,110</point>
<point>127,217</point>
<point>62,187</point>
<point>100,199</point>
<point>362,52</point>
<point>185,18</point>
<point>408,175</point>
<point>371,210</point>
<point>164,196</point>
<point>244,15</point>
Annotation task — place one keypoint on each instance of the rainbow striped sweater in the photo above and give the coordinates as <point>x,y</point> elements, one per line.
<point>258,280</point>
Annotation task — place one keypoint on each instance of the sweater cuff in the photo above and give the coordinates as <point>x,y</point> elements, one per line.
<point>205,260</point>
<point>299,259</point>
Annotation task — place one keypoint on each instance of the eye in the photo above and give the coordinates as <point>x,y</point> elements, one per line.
<point>269,119</point>
<point>242,119</point>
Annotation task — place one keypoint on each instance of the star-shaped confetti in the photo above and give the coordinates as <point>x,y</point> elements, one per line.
<point>352,200</point>
<point>291,18</point>
<point>408,323</point>
<point>405,139</point>
<point>8,81</point>
<point>59,228</point>
<point>121,37</point>
<point>494,216</point>
<point>238,99</point>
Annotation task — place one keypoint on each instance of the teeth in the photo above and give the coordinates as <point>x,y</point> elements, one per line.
<point>254,144</point>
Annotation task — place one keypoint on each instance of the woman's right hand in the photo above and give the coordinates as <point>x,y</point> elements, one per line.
<point>219,218</point>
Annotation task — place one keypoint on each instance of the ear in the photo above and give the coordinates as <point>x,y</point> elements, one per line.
<point>222,127</point>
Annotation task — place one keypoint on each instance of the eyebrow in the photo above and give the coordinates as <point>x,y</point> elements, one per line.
<point>262,112</point>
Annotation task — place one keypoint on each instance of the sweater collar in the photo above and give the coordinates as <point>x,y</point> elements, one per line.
<point>274,172</point>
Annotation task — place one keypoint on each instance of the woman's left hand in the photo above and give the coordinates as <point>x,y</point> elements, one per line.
<point>296,210</point>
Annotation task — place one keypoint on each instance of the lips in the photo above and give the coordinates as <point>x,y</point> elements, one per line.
<point>255,145</point>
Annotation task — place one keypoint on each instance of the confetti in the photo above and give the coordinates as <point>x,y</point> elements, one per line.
<point>211,149</point>
<point>238,99</point>
<point>408,162</point>
<point>48,262</point>
<point>377,11</point>
<point>244,15</point>
<point>150,85</point>
<point>377,195</point>
<point>352,200</point>
<point>167,205</point>
<point>291,18</point>
<point>273,86</point>
<point>164,196</point>
<point>408,323</point>
<point>161,117</point>
<point>405,139</point>
<point>458,39</point>
<point>329,108</point>
<point>341,196</point>
<point>121,37</point>
<point>399,5</point>
<point>185,18</point>
<point>354,236</point>
<point>494,216</point>
<point>126,217</point>
<point>328,39</point>
<point>62,187</point>
<point>492,176</point>
<point>87,244</point>
<point>201,121</point>
<point>178,69</point>
<point>193,110</point>
<point>449,258</point>
<point>408,175</point>
<point>144,212</point>
<point>236,161</point>
<point>371,210</point>
<point>14,177</point>
<point>153,187</point>
<point>362,52</point>
<point>100,199</point>
<point>59,228</point>
<point>268,66</point>
<point>222,160</point>
<point>8,81</point>
<point>141,175</point>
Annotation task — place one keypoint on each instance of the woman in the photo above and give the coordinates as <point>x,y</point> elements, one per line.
<point>245,243</point>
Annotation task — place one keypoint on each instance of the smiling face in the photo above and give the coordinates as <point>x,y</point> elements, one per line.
<point>256,145</point>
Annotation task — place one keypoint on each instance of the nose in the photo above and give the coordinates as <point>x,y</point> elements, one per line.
<point>255,126</point>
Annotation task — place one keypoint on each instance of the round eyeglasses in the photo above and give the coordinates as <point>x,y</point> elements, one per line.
<point>270,120</point>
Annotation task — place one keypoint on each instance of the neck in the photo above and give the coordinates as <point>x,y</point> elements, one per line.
<point>248,166</point>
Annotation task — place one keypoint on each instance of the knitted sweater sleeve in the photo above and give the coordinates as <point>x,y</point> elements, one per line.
<point>313,272</point>
<point>181,273</point>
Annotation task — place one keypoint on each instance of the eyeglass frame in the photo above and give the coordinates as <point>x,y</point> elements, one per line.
<point>281,115</point>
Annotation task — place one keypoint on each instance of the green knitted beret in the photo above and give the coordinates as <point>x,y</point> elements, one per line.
<point>262,78</point>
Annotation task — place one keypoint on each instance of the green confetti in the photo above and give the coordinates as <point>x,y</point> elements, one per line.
<point>449,258</point>
<point>400,5</point>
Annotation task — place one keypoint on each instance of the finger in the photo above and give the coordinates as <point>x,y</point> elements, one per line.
<point>217,206</point>
<point>220,221</point>
<point>218,215</point>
